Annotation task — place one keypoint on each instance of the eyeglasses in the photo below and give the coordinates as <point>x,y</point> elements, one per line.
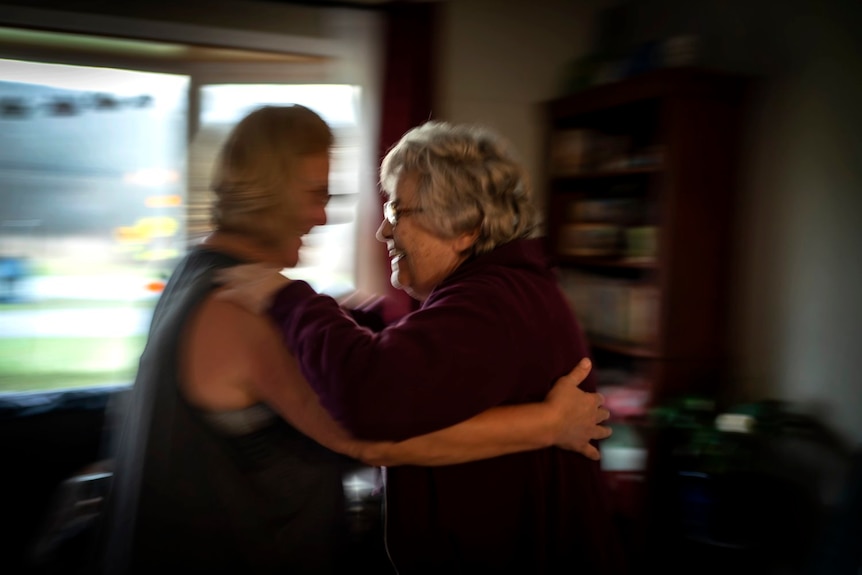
<point>393,213</point>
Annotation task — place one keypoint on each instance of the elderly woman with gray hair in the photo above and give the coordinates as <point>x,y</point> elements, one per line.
<point>493,329</point>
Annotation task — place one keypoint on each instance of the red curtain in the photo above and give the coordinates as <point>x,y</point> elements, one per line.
<point>408,89</point>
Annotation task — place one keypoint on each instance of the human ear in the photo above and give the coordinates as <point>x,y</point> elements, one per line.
<point>465,241</point>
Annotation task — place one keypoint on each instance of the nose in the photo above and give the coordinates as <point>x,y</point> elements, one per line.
<point>384,231</point>
<point>319,215</point>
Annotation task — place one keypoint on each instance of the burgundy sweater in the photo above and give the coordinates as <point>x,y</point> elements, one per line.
<point>497,331</point>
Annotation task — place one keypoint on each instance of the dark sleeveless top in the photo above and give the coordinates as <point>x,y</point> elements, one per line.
<point>239,492</point>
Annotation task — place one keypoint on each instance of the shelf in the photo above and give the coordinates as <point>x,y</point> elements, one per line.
<point>605,174</point>
<point>607,262</point>
<point>656,85</point>
<point>648,166</point>
<point>623,348</point>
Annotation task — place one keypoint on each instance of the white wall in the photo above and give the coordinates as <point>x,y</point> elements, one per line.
<point>799,319</point>
<point>500,59</point>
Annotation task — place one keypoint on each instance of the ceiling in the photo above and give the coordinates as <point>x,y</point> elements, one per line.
<point>24,42</point>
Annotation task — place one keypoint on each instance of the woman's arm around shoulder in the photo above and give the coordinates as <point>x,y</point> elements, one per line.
<point>569,418</point>
<point>233,358</point>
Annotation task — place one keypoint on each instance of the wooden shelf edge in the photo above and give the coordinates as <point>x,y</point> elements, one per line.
<point>601,174</point>
<point>651,85</point>
<point>570,259</point>
<point>623,348</point>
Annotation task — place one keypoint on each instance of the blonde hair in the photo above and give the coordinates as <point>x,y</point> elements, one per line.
<point>257,166</point>
<point>467,179</point>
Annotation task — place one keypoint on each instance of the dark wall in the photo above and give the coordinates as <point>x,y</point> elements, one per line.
<point>767,37</point>
<point>41,445</point>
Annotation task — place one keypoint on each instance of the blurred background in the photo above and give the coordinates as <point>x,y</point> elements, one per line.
<point>111,113</point>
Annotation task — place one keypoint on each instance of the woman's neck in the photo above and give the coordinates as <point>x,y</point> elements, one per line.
<point>241,247</point>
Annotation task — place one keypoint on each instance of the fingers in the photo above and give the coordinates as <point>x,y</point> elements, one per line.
<point>591,452</point>
<point>603,414</point>
<point>602,432</point>
<point>580,372</point>
<point>221,277</point>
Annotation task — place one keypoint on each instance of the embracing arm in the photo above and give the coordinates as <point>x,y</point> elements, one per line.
<point>569,418</point>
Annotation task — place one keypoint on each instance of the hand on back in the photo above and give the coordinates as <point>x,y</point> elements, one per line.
<point>581,413</point>
<point>251,286</point>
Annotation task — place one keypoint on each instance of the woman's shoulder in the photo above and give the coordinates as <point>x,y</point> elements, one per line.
<point>224,346</point>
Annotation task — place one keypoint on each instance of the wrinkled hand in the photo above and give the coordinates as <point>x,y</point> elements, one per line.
<point>251,286</point>
<point>582,412</point>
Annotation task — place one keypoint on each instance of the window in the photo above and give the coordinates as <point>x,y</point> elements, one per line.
<point>102,191</point>
<point>92,193</point>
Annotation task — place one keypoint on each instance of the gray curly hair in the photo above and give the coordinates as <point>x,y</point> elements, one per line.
<point>467,179</point>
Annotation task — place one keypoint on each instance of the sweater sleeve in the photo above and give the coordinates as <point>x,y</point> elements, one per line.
<point>373,320</point>
<point>436,367</point>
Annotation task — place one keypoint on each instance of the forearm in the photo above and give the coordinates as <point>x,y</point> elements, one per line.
<point>494,432</point>
<point>360,376</point>
<point>497,431</point>
<point>314,421</point>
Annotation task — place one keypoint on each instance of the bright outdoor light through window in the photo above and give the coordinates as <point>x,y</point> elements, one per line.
<point>101,194</point>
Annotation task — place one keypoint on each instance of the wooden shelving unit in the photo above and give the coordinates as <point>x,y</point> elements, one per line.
<point>641,185</point>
